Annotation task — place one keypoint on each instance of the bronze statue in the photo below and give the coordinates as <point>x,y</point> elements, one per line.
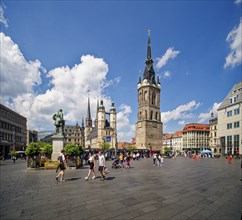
<point>58,117</point>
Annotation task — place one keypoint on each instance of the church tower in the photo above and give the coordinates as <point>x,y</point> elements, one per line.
<point>149,127</point>
<point>88,128</point>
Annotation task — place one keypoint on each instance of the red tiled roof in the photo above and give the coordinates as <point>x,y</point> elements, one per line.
<point>195,127</point>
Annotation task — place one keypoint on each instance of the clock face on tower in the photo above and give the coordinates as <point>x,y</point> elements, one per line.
<point>139,124</point>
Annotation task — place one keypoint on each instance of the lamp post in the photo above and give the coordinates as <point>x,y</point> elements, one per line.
<point>115,147</point>
<point>14,141</point>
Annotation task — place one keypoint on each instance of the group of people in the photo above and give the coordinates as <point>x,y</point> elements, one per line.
<point>158,159</point>
<point>91,161</point>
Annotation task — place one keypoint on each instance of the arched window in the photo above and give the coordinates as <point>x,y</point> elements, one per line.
<point>151,115</point>
<point>146,96</point>
<point>140,96</point>
<point>145,114</point>
<point>140,114</point>
<point>156,116</point>
<point>153,99</point>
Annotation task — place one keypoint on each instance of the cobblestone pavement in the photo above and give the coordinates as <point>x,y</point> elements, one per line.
<point>182,189</point>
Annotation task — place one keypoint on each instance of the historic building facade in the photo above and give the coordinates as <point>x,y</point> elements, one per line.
<point>149,127</point>
<point>104,129</point>
<point>177,141</point>
<point>230,121</point>
<point>13,128</point>
<point>196,135</point>
<point>74,134</point>
<point>213,136</point>
<point>32,136</point>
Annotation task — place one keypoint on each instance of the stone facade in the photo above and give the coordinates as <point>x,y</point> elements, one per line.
<point>213,137</point>
<point>13,131</point>
<point>196,135</point>
<point>104,129</point>
<point>74,135</point>
<point>149,128</point>
<point>230,121</point>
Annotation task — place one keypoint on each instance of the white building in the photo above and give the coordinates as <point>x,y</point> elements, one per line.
<point>177,141</point>
<point>213,136</point>
<point>230,121</point>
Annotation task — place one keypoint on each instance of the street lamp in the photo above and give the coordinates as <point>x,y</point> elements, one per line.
<point>13,129</point>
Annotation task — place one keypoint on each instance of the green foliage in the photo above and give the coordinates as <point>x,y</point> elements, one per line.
<point>33,149</point>
<point>81,150</point>
<point>166,150</point>
<point>131,148</point>
<point>47,149</point>
<point>72,150</point>
<point>13,153</point>
<point>105,146</point>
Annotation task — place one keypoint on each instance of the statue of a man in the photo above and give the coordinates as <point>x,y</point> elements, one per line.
<point>59,123</point>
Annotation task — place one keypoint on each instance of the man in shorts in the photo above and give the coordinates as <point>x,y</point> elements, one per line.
<point>102,164</point>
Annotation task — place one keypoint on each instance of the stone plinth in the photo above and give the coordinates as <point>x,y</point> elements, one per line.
<point>58,145</point>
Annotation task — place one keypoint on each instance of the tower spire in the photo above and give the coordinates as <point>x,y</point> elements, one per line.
<point>88,109</point>
<point>88,119</point>
<point>149,72</point>
<point>96,120</point>
<point>149,48</point>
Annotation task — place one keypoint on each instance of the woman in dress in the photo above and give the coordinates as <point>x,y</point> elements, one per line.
<point>92,163</point>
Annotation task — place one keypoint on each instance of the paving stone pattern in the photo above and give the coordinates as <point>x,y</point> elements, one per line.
<point>183,189</point>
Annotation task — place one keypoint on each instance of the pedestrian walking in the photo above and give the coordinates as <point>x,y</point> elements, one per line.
<point>121,159</point>
<point>158,159</point>
<point>154,158</point>
<point>92,163</point>
<point>102,164</point>
<point>14,158</point>
<point>230,158</point>
<point>127,161</point>
<point>161,160</point>
<point>61,166</point>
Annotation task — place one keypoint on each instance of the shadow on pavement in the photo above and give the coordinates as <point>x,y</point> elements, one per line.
<point>109,178</point>
<point>75,178</point>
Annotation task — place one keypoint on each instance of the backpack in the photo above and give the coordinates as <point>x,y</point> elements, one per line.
<point>59,158</point>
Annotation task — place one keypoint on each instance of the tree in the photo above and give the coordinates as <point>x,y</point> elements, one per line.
<point>105,146</point>
<point>81,150</point>
<point>33,149</point>
<point>166,151</point>
<point>131,148</point>
<point>47,149</point>
<point>13,153</point>
<point>72,150</point>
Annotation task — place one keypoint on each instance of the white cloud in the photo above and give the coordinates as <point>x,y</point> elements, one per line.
<point>3,20</point>
<point>234,40</point>
<point>237,2</point>
<point>204,117</point>
<point>125,130</point>
<point>169,54</point>
<point>181,112</point>
<point>167,74</point>
<point>181,122</point>
<point>18,76</point>
<point>69,87</point>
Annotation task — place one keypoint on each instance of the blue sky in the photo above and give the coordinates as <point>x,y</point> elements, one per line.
<point>42,44</point>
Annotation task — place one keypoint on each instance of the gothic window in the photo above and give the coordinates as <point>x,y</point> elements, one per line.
<point>145,114</point>
<point>146,96</point>
<point>140,114</point>
<point>153,99</point>
<point>151,115</point>
<point>156,116</point>
<point>140,96</point>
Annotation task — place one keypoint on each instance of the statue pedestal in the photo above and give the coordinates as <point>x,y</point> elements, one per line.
<point>57,145</point>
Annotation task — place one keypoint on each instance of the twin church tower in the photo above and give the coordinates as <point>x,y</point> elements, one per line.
<point>149,128</point>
